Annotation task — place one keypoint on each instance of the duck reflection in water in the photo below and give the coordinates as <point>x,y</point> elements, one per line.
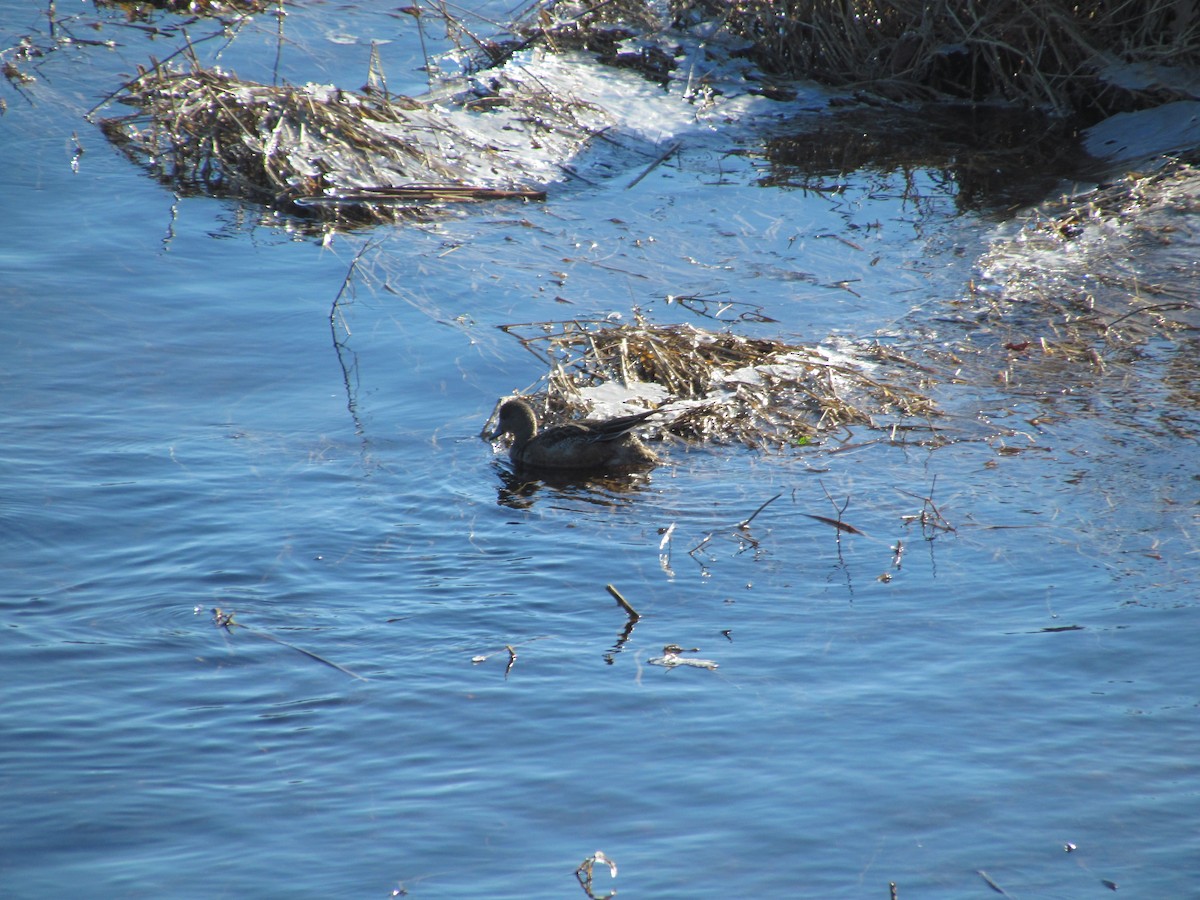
<point>519,488</point>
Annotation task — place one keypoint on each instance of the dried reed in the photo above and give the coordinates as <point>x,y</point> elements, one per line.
<point>1043,53</point>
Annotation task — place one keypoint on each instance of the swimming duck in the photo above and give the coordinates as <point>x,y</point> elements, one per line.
<point>589,444</point>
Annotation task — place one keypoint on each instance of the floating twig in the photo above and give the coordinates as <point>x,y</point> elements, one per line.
<point>510,649</point>
<point>990,883</point>
<point>930,516</point>
<point>835,523</point>
<point>512,659</point>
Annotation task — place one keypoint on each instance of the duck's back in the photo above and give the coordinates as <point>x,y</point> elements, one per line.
<point>586,445</point>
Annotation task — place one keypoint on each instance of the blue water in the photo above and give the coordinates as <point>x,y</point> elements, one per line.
<point>183,433</point>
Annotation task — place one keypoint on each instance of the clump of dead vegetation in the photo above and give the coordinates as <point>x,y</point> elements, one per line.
<point>316,149</point>
<point>1046,53</point>
<point>722,387</point>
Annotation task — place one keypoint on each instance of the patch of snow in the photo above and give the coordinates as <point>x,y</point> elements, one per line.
<point>1144,135</point>
<point>1146,76</point>
<point>612,399</point>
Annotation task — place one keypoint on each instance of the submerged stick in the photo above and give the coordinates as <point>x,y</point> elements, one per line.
<point>990,882</point>
<point>654,165</point>
<point>225,620</point>
<point>836,523</point>
<point>624,604</point>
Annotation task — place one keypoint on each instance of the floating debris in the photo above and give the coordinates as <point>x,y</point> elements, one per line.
<point>671,658</point>
<point>321,151</point>
<point>722,386</point>
<point>1051,55</point>
<point>509,649</point>
<point>990,882</point>
<point>834,523</point>
<point>584,873</point>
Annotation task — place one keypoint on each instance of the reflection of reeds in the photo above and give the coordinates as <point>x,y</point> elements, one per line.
<point>722,386</point>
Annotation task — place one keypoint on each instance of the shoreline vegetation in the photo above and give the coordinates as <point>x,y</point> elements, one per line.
<point>1048,54</point>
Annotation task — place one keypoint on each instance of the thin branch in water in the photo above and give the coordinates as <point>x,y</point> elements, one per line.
<point>991,883</point>
<point>699,548</point>
<point>280,14</point>
<point>510,649</point>
<point>654,165</point>
<point>225,620</point>
<point>1144,309</point>
<point>512,660</point>
<point>335,311</point>
<point>745,523</point>
<point>835,523</point>
<point>623,603</point>
<point>935,520</point>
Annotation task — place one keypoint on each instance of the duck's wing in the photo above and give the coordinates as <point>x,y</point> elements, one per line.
<point>612,429</point>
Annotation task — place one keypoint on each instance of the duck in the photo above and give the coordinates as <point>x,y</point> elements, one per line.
<point>590,444</point>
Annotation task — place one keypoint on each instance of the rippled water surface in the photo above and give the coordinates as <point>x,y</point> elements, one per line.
<point>184,430</point>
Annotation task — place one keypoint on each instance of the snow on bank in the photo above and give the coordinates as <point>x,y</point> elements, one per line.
<point>1137,137</point>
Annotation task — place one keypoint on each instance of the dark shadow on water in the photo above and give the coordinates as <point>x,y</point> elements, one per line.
<point>520,488</point>
<point>995,157</point>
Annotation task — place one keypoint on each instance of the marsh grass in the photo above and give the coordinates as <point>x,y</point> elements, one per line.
<point>1046,53</point>
<point>313,150</point>
<point>721,387</point>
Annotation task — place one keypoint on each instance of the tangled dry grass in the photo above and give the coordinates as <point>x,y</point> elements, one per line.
<point>315,149</point>
<point>723,387</point>
<point>1045,53</point>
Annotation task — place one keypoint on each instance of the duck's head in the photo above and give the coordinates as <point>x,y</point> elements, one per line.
<point>516,418</point>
